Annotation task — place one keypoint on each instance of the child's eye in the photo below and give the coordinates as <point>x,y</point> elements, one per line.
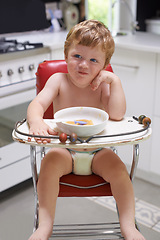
<point>93,60</point>
<point>77,56</point>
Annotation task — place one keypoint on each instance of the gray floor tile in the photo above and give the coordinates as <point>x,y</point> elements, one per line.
<point>17,210</point>
<point>147,191</point>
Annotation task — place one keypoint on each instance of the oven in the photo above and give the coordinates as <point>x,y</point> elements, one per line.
<point>18,64</point>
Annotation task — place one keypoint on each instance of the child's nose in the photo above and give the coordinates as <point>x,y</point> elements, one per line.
<point>83,64</point>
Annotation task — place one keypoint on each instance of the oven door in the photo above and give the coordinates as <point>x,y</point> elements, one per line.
<point>16,92</point>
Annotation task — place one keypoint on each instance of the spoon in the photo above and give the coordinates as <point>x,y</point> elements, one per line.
<point>67,120</point>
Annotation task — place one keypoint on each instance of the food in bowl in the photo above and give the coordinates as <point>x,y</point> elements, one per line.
<point>98,116</point>
<point>81,122</point>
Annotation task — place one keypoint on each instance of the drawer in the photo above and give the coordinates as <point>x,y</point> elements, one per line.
<point>17,171</point>
<point>12,153</point>
<point>126,58</point>
<point>14,174</point>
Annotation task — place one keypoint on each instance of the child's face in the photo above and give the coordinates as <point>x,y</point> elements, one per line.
<point>84,64</point>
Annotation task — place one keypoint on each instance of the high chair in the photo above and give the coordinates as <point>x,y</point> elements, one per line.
<point>73,185</point>
<point>80,186</point>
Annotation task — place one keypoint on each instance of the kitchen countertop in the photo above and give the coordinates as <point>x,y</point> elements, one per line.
<point>142,41</point>
<point>54,40</point>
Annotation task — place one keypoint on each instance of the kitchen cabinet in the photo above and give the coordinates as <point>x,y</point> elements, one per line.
<point>12,174</point>
<point>15,164</point>
<point>136,70</point>
<point>140,76</point>
<point>157,89</point>
<point>155,154</point>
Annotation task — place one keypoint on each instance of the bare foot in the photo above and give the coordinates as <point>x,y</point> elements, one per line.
<point>41,233</point>
<point>132,234</point>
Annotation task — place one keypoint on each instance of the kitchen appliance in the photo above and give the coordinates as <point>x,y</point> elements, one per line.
<point>7,46</point>
<point>153,25</point>
<point>18,64</point>
<point>71,13</point>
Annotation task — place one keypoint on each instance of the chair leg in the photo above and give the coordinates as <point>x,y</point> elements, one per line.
<point>133,170</point>
<point>114,150</point>
<point>43,152</point>
<point>135,161</point>
<point>35,180</point>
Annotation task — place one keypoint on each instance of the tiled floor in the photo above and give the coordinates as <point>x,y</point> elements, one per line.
<point>17,207</point>
<point>146,214</point>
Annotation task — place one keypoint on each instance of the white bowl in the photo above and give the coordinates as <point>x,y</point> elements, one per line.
<point>98,116</point>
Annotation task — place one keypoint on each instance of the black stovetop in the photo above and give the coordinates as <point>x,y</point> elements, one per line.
<point>7,46</point>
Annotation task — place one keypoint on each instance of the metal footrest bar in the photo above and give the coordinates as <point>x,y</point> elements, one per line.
<point>98,231</point>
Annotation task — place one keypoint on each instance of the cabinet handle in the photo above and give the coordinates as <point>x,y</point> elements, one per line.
<point>125,66</point>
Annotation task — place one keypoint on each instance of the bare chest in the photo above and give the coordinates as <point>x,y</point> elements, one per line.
<point>78,97</point>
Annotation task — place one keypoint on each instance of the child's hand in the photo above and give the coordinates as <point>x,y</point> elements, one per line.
<point>41,128</point>
<point>103,76</point>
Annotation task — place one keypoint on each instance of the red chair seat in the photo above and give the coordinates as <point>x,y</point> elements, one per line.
<point>84,181</point>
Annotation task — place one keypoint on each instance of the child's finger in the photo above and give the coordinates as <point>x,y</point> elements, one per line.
<point>94,84</point>
<point>52,131</point>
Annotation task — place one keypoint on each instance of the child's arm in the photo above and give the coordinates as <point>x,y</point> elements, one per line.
<point>113,99</point>
<point>39,105</point>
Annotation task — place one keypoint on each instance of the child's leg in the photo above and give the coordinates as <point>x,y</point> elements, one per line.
<point>108,165</point>
<point>56,163</point>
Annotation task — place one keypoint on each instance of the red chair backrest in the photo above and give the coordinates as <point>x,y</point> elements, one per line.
<point>45,70</point>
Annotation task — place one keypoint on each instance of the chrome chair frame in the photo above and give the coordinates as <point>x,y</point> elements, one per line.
<point>81,231</point>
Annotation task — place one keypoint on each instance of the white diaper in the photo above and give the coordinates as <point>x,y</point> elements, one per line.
<point>82,161</point>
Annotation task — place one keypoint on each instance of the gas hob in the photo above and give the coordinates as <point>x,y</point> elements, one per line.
<point>7,46</point>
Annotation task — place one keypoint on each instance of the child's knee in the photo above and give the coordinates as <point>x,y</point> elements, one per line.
<point>57,154</point>
<point>58,160</point>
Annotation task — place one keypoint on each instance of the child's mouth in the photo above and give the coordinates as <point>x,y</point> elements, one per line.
<point>82,73</point>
